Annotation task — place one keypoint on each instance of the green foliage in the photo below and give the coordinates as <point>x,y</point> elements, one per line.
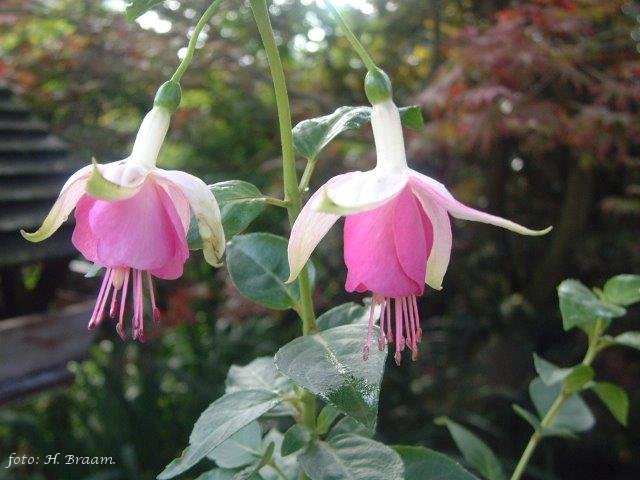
<point>580,307</point>
<point>345,314</point>
<point>549,373</point>
<point>425,464</point>
<point>240,203</point>
<point>615,398</point>
<point>219,422</point>
<point>626,339</point>
<point>574,415</point>
<point>330,365</point>
<point>135,8</point>
<point>325,419</point>
<point>258,267</point>
<point>241,449</point>
<point>623,289</point>
<point>474,450</point>
<point>312,135</point>
<point>351,456</point>
<point>295,439</point>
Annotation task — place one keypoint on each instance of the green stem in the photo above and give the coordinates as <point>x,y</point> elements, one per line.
<point>353,40</point>
<point>291,193</point>
<point>191,47</point>
<point>552,413</point>
<point>306,175</point>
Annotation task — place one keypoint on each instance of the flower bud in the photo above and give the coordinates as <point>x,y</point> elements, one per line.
<point>377,86</point>
<point>168,96</point>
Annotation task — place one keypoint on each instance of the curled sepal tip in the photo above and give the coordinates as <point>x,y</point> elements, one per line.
<point>104,189</point>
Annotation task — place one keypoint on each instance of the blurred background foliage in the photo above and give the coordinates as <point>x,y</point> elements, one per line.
<point>532,112</point>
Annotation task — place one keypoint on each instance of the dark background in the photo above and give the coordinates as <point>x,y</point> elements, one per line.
<point>532,113</point>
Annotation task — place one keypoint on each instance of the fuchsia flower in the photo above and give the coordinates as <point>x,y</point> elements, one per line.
<point>397,233</point>
<point>132,218</point>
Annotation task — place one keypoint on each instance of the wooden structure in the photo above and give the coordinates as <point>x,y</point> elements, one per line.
<point>33,167</point>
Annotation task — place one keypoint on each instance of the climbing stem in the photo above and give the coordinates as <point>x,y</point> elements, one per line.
<point>191,47</point>
<point>290,178</point>
<point>552,413</point>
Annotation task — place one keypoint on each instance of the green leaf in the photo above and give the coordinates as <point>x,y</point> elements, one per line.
<point>623,289</point>
<point>578,378</point>
<point>220,421</point>
<point>240,203</point>
<point>549,373</point>
<point>474,450</point>
<point>351,457</point>
<point>217,474</point>
<point>574,415</point>
<point>330,365</point>
<point>628,339</point>
<point>581,308</point>
<point>312,135</point>
<point>289,464</point>
<point>242,448</point>
<point>535,423</point>
<point>258,267</point>
<point>350,425</point>
<point>345,314</point>
<point>296,438</point>
<point>260,373</point>
<point>616,400</point>
<point>326,418</point>
<point>135,8</point>
<point>252,470</point>
<point>411,117</point>
<point>421,463</point>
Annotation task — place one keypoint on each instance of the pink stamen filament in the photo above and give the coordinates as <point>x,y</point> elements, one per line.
<point>407,325</point>
<point>114,280</point>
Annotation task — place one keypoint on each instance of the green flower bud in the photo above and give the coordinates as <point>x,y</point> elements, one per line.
<point>377,86</point>
<point>168,96</point>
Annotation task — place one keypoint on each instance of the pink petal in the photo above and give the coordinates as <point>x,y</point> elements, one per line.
<point>386,255</point>
<point>143,232</point>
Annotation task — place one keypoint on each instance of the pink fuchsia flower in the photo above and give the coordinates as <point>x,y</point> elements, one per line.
<point>397,232</point>
<point>132,218</point>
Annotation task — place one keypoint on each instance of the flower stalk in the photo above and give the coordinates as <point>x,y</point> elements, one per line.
<point>191,47</point>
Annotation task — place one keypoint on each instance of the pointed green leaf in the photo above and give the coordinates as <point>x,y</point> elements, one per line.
<point>616,400</point>
<point>252,470</point>
<point>578,378</point>
<point>351,457</point>
<point>295,439</point>
<point>349,425</point>
<point>312,135</point>
<point>217,474</point>
<point>135,8</point>
<point>623,289</point>
<point>220,421</point>
<point>258,267</point>
<point>549,373</point>
<point>330,365</point>
<point>242,448</point>
<point>240,203</point>
<point>581,308</point>
<point>345,314</point>
<point>628,339</point>
<point>326,418</point>
<point>424,464</point>
<point>288,465</point>
<point>535,423</point>
<point>474,450</point>
<point>574,415</point>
